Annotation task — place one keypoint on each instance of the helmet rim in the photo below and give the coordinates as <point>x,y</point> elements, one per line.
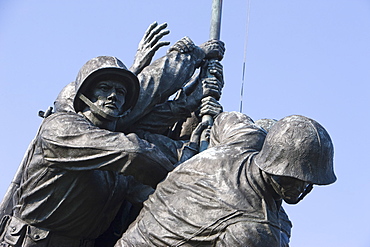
<point>119,73</point>
<point>298,147</point>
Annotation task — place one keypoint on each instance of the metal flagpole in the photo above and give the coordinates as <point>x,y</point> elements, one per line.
<point>216,20</point>
<point>214,33</point>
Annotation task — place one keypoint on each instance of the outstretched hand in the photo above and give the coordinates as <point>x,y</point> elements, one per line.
<point>149,44</point>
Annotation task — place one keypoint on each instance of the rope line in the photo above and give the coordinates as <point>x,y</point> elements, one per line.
<point>245,55</point>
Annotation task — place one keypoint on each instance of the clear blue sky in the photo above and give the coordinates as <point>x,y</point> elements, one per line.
<point>303,57</point>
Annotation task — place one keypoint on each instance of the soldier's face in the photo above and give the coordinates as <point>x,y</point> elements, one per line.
<point>109,96</point>
<point>290,188</point>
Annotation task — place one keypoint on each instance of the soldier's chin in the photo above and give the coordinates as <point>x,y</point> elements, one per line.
<point>111,112</point>
<point>289,200</point>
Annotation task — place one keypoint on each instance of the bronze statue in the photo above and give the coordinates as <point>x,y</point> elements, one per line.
<point>84,162</point>
<point>231,194</point>
<point>116,139</point>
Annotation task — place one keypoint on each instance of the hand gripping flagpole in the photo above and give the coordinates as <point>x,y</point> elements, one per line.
<point>215,31</point>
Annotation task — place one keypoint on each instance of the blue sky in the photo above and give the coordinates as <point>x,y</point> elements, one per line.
<point>303,57</point>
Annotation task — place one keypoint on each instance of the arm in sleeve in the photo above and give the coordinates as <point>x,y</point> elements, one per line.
<point>160,80</point>
<point>70,142</point>
<point>236,127</point>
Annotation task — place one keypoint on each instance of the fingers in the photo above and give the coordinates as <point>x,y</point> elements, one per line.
<point>215,68</point>
<point>159,36</point>
<point>214,49</point>
<point>149,30</point>
<point>148,45</point>
<point>208,110</point>
<point>188,44</point>
<point>210,101</point>
<point>184,45</point>
<point>215,65</point>
<point>207,133</point>
<point>195,135</point>
<point>159,45</point>
<point>155,31</point>
<point>200,127</point>
<point>210,106</point>
<point>212,87</point>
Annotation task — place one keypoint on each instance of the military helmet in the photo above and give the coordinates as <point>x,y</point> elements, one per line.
<point>64,101</point>
<point>106,68</point>
<point>298,147</point>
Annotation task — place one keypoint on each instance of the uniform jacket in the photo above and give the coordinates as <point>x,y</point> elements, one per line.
<point>217,198</point>
<point>77,175</point>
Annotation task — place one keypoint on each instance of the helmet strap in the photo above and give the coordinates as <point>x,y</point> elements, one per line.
<point>277,187</point>
<point>97,110</point>
<point>307,190</point>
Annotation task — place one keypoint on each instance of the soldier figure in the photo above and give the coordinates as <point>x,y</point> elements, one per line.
<point>231,193</point>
